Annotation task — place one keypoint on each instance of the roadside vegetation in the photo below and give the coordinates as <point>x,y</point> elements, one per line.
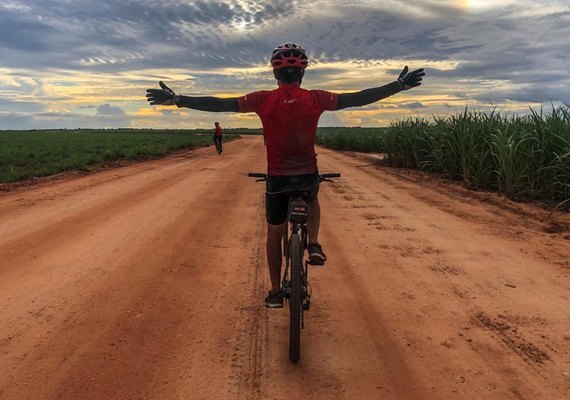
<point>366,140</point>
<point>524,157</point>
<point>26,154</point>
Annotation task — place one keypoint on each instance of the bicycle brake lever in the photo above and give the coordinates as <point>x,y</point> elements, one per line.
<point>260,180</point>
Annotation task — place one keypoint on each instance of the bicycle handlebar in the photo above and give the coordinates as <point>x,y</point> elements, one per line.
<point>322,177</point>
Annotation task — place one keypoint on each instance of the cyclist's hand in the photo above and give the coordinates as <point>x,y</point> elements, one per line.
<point>408,80</point>
<point>164,96</point>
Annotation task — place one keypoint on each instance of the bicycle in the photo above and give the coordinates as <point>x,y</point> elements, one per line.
<point>295,284</point>
<point>218,143</point>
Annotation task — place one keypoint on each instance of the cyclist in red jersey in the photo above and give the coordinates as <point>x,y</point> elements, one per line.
<point>289,115</point>
<point>218,137</point>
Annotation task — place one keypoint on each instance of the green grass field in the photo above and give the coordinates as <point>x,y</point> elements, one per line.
<point>524,157</point>
<point>26,154</point>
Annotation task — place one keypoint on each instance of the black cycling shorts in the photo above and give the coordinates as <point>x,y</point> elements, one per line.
<point>276,202</point>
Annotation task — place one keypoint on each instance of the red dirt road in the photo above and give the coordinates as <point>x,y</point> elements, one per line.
<point>147,281</point>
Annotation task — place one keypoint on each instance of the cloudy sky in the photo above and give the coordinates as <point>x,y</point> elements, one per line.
<point>85,63</point>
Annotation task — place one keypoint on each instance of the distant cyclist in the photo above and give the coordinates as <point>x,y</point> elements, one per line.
<point>218,137</point>
<point>289,115</point>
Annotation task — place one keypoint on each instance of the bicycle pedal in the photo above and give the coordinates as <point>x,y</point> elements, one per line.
<point>316,262</point>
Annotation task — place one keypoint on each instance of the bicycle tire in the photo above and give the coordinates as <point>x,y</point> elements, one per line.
<point>295,302</point>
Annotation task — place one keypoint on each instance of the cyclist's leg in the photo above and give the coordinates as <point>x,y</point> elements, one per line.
<point>275,254</point>
<point>314,220</point>
<point>276,213</point>
<point>316,254</point>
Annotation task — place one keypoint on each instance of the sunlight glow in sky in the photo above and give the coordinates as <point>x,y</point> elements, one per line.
<point>71,64</point>
<point>478,4</point>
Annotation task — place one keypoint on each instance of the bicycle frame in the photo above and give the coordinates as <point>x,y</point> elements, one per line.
<point>295,282</point>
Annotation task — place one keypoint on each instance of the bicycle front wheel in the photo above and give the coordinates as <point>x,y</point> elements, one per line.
<point>295,302</point>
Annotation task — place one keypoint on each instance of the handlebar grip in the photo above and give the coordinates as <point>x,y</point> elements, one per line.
<point>256,175</point>
<point>332,175</point>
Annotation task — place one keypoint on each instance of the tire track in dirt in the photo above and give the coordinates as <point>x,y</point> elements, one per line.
<point>513,339</point>
<point>249,356</point>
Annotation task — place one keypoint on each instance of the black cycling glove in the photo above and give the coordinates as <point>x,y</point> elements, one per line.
<point>164,96</point>
<point>408,80</point>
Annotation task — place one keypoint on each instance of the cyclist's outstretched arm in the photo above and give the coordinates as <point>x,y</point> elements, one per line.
<point>166,97</point>
<point>215,104</point>
<point>405,81</point>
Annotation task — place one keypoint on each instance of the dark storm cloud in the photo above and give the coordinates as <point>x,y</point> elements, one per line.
<point>123,34</point>
<point>507,47</point>
<point>18,33</point>
<point>117,35</point>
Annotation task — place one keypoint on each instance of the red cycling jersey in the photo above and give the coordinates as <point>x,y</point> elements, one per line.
<point>218,131</point>
<point>289,115</point>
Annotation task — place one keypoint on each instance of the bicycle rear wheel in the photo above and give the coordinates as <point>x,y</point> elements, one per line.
<point>295,302</point>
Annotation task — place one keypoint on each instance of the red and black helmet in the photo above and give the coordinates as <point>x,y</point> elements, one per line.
<point>289,55</point>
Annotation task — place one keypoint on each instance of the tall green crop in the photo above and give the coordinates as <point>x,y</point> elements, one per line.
<point>522,157</point>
